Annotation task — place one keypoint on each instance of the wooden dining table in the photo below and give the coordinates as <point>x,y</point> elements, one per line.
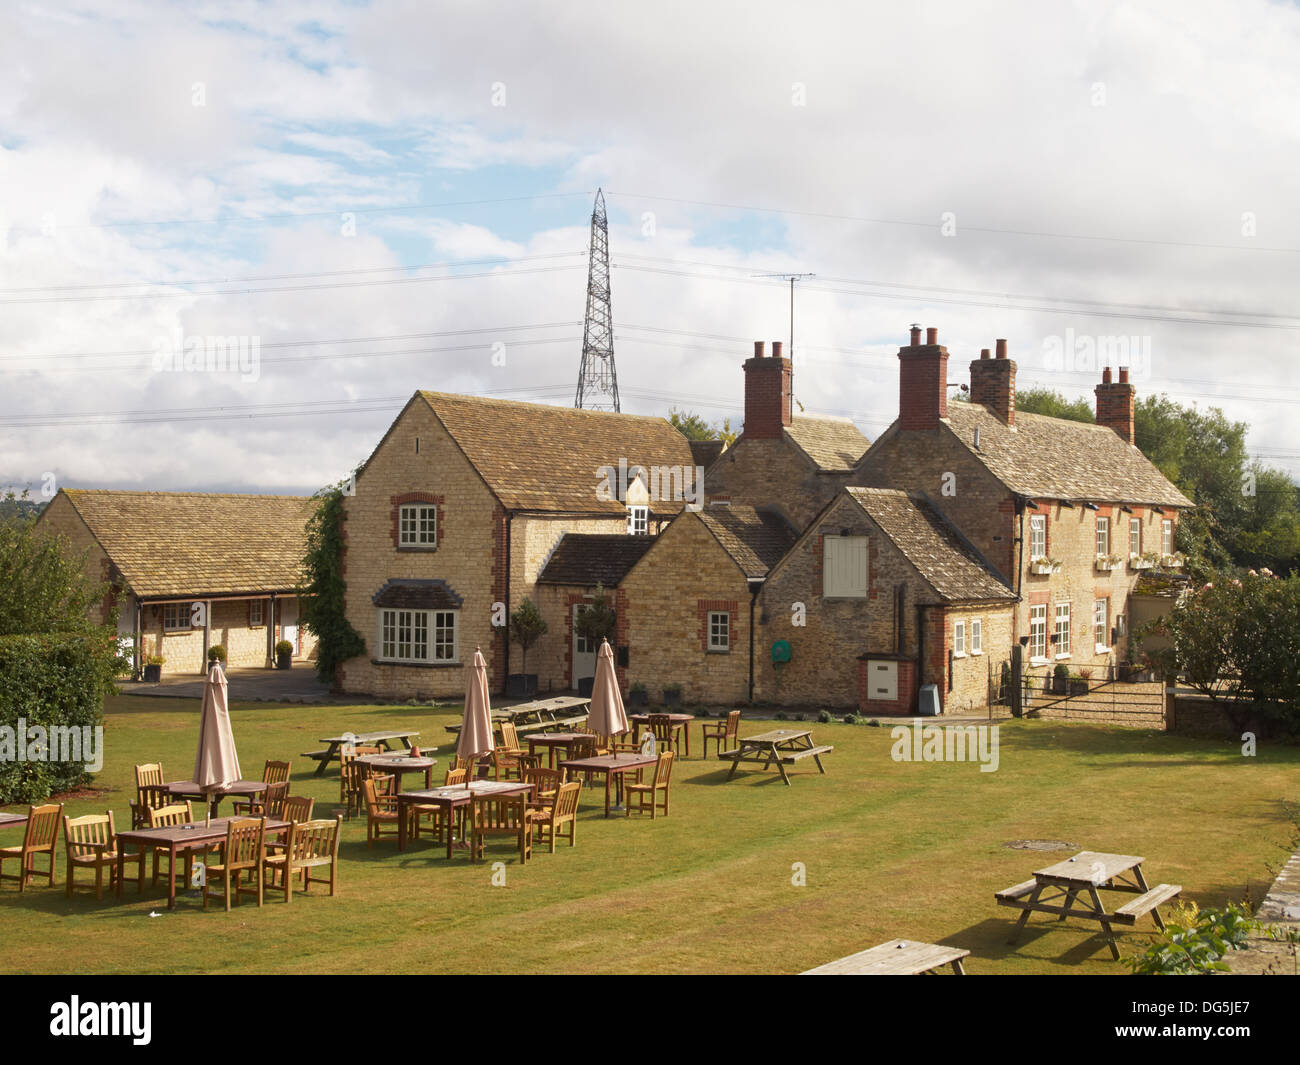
<point>191,790</point>
<point>179,840</point>
<point>454,798</point>
<point>399,765</point>
<point>553,741</point>
<point>12,820</point>
<point>612,767</point>
<point>679,722</point>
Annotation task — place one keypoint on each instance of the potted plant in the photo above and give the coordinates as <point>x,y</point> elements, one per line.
<point>1109,562</point>
<point>1061,679</point>
<point>1174,561</point>
<point>1078,684</point>
<point>217,653</point>
<point>153,668</point>
<point>283,654</point>
<point>527,626</point>
<point>672,695</point>
<point>638,696</point>
<point>1045,565</point>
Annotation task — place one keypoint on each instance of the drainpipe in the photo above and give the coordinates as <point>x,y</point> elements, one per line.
<point>920,649</point>
<point>754,588</point>
<point>139,638</point>
<point>505,683</point>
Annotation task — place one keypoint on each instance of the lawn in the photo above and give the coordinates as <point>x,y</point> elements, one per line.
<point>890,849</point>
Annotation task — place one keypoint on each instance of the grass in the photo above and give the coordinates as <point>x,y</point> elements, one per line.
<point>890,849</point>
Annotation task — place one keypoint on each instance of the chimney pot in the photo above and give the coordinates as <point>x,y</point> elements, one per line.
<point>916,336</point>
<point>932,336</point>
<point>1002,349</point>
<point>1123,375</point>
<point>776,349</point>
<point>984,353</point>
<point>1105,375</point>
<point>759,348</point>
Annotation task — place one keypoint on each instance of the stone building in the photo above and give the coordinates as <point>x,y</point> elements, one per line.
<point>192,570</point>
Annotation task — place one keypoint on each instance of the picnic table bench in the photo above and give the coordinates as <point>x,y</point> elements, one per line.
<point>1088,873</point>
<point>898,957</point>
<point>331,753</point>
<point>555,724</point>
<point>780,747</point>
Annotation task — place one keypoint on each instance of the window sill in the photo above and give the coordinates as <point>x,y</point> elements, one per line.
<point>415,665</point>
<point>418,549</point>
<point>1066,655</point>
<point>718,650</point>
<point>976,654</point>
<point>959,654</point>
<point>1100,650</point>
<point>1038,661</point>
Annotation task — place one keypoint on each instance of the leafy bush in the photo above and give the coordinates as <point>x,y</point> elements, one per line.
<point>850,719</point>
<point>323,588</point>
<point>1195,942</point>
<point>596,620</point>
<point>780,715</point>
<point>824,717</point>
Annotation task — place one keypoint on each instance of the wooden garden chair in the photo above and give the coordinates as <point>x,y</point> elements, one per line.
<point>663,772</point>
<point>500,815</point>
<point>241,856</point>
<point>180,813</point>
<point>149,797</point>
<point>91,843</point>
<point>546,783</point>
<point>508,758</point>
<point>668,737</point>
<point>269,804</point>
<point>562,810</point>
<point>310,845</point>
<point>381,807</point>
<point>350,779</point>
<point>275,772</point>
<point>295,809</point>
<point>721,732</point>
<point>41,837</point>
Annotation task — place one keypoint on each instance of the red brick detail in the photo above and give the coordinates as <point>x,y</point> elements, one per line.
<point>767,397</point>
<point>872,552</point>
<point>907,689</point>
<point>703,607</point>
<point>820,561</point>
<point>414,497</point>
<point>993,384</point>
<point>1115,407</point>
<point>938,641</point>
<point>498,665</point>
<point>1038,598</point>
<point>922,386</point>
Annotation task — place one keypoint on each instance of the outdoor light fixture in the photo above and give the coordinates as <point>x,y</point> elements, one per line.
<point>1091,506</point>
<point>1024,641</point>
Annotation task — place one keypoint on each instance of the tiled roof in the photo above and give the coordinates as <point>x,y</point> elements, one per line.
<point>538,457</point>
<point>197,544</point>
<point>755,539</point>
<point>832,443</point>
<point>930,544</point>
<point>1054,458</point>
<point>588,559</point>
<point>417,595</point>
<point>705,451</point>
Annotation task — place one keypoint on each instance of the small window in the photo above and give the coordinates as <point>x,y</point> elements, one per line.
<point>418,526</point>
<point>1038,631</point>
<point>1037,537</point>
<point>1167,536</point>
<point>638,521</point>
<point>959,639</point>
<point>176,617</point>
<point>256,617</point>
<point>844,567</point>
<point>719,630</point>
<point>1101,623</point>
<point>1103,537</point>
<point>977,637</point>
<point>1135,536</point>
<point>1062,629</point>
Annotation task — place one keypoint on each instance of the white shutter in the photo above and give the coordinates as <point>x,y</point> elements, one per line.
<point>844,566</point>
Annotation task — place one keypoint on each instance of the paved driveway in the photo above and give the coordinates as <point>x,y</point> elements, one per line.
<point>298,685</point>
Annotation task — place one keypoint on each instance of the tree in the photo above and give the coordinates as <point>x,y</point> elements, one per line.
<point>322,590</point>
<point>527,626</point>
<point>693,427</point>
<point>1054,405</point>
<point>596,620</point>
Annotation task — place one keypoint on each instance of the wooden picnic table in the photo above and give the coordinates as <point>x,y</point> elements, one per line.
<point>189,789</point>
<point>359,739</point>
<point>780,747</point>
<point>12,820</point>
<point>178,839</point>
<point>612,766</point>
<point>898,957</point>
<point>1088,873</point>
<point>678,721</point>
<point>451,798</point>
<point>554,740</point>
<point>400,764</point>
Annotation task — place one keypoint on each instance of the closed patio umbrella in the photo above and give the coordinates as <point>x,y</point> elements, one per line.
<point>476,722</point>
<point>217,763</point>
<point>607,716</point>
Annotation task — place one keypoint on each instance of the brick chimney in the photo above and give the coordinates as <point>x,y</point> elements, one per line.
<point>767,393</point>
<point>993,383</point>
<point>922,381</point>
<point>1115,403</point>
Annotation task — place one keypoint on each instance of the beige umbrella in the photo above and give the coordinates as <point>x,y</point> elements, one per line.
<point>476,722</point>
<point>607,716</point>
<point>217,763</point>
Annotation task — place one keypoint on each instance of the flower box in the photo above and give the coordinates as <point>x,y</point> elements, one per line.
<point>1106,563</point>
<point>1174,561</point>
<point>1044,566</point>
<point>1138,562</point>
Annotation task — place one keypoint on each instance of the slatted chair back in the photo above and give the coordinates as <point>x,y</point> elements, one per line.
<point>733,727</point>
<point>273,799</point>
<point>664,769</point>
<point>566,801</point>
<point>297,809</point>
<point>148,773</point>
<point>315,839</point>
<point>583,747</point>
<point>546,783</point>
<point>374,791</point>
<point>661,725</point>
<point>275,772</point>
<point>455,778</point>
<point>180,813</point>
<point>43,827</point>
<point>88,837</point>
<point>385,784</point>
<point>152,797</point>
<point>509,736</point>
<point>244,842</point>
<point>499,814</point>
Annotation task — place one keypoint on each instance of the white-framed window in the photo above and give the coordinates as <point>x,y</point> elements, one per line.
<point>418,525</point>
<point>1037,537</point>
<point>719,630</point>
<point>1101,624</point>
<point>176,617</point>
<point>844,567</point>
<point>1167,536</point>
<point>1103,536</point>
<point>1038,632</point>
<point>638,521</point>
<point>1135,536</point>
<point>417,635</point>
<point>959,639</point>
<point>1062,630</point>
<point>976,636</point>
<point>256,613</point>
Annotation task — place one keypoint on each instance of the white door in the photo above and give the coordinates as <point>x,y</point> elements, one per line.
<point>289,624</point>
<point>882,681</point>
<point>584,652</point>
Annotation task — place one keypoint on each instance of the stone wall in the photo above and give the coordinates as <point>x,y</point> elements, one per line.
<point>771,472</point>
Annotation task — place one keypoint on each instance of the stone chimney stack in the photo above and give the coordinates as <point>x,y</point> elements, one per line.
<point>993,383</point>
<point>1115,403</point>
<point>922,381</point>
<point>767,393</point>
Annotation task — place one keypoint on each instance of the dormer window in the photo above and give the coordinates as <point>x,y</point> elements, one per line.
<point>638,520</point>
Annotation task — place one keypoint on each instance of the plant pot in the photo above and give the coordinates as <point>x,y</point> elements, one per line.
<point>1060,686</point>
<point>284,661</point>
<point>585,685</point>
<point>152,674</point>
<point>639,697</point>
<point>521,685</point>
<point>1078,687</point>
<point>672,698</point>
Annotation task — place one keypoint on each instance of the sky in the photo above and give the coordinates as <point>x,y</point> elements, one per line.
<point>369,199</point>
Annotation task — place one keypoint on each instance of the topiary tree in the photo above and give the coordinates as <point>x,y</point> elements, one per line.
<point>596,620</point>
<point>527,626</point>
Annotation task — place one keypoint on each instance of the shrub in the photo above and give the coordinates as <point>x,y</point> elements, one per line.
<point>527,626</point>
<point>284,647</point>
<point>1195,942</point>
<point>850,719</point>
<point>322,592</point>
<point>216,653</point>
<point>780,715</point>
<point>824,717</point>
